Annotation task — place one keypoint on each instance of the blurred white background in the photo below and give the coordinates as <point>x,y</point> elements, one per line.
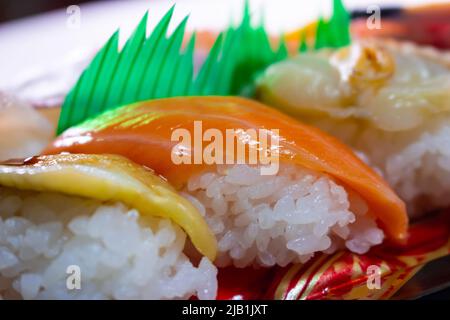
<point>50,41</point>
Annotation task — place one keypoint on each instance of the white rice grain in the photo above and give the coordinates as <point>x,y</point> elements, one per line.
<point>416,162</point>
<point>276,220</point>
<point>121,254</point>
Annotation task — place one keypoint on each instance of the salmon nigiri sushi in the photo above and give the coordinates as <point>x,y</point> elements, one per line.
<point>313,196</point>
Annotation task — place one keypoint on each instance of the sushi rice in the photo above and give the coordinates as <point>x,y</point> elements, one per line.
<point>121,255</point>
<point>416,163</point>
<point>258,220</point>
<point>275,220</point>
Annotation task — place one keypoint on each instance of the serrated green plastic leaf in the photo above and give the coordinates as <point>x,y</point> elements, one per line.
<point>332,33</point>
<point>147,52</point>
<point>340,25</point>
<point>303,45</point>
<point>321,35</point>
<point>157,67</point>
<point>125,63</point>
<point>185,69</point>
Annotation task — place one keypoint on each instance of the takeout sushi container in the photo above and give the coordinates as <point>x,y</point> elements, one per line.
<point>345,275</point>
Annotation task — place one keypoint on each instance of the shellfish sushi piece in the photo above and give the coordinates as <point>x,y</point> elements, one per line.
<point>389,101</point>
